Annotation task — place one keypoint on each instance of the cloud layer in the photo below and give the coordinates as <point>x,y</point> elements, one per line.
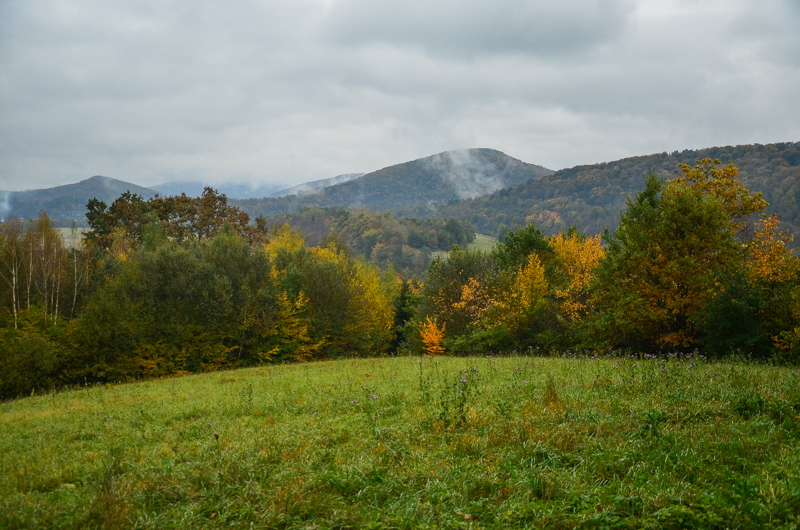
<point>287,91</point>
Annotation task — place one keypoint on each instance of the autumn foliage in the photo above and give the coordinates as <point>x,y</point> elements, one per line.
<point>432,336</point>
<point>179,285</point>
<point>695,263</point>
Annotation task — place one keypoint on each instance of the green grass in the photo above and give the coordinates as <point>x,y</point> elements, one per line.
<point>483,242</point>
<point>404,443</point>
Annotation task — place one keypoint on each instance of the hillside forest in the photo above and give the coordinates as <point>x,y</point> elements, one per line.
<point>413,188</point>
<point>175,285</point>
<point>591,197</point>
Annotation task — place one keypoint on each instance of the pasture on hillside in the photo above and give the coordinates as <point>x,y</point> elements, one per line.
<point>409,442</point>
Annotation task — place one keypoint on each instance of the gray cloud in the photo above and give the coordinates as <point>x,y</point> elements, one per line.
<point>475,28</point>
<point>296,90</point>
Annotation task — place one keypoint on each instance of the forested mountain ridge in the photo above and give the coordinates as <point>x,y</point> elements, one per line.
<point>591,197</point>
<point>64,204</point>
<point>413,187</point>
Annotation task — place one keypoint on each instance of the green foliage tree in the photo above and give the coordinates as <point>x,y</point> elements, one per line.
<point>662,266</point>
<point>404,310</point>
<point>521,243</point>
<point>502,232</point>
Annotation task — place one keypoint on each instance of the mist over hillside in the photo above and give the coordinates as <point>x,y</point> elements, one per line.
<point>315,186</point>
<point>591,197</point>
<point>67,203</point>
<point>482,186</point>
<point>413,187</point>
<point>234,190</point>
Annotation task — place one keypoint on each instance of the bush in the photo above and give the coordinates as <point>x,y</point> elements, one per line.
<point>28,363</point>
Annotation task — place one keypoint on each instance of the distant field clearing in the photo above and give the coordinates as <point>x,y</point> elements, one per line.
<point>483,242</point>
<point>72,238</point>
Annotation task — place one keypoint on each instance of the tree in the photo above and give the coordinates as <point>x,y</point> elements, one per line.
<point>404,305</point>
<point>520,244</point>
<point>774,272</point>
<point>11,254</point>
<point>457,290</point>
<point>662,266</point>
<point>577,257</point>
<point>722,183</point>
<point>432,336</point>
<point>502,232</point>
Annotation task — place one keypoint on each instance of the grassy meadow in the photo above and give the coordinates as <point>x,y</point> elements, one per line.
<point>507,442</point>
<point>483,242</point>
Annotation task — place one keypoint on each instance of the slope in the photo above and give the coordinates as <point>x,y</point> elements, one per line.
<point>315,186</point>
<point>516,442</point>
<point>66,203</point>
<point>413,187</point>
<point>590,197</point>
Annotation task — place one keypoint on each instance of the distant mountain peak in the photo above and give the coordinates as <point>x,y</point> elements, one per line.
<point>416,186</point>
<point>68,202</point>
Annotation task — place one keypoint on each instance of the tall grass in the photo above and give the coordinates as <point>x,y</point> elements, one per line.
<point>414,443</point>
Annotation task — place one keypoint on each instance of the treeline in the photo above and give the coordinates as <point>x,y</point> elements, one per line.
<point>182,285</point>
<point>405,244</point>
<point>694,263</point>
<point>161,289</point>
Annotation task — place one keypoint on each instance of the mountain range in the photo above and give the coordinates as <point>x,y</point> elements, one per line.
<point>591,197</point>
<point>315,186</point>
<point>68,202</point>
<point>413,188</point>
<point>486,187</point>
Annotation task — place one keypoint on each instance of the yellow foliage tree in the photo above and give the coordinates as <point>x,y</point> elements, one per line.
<point>349,301</point>
<point>291,331</point>
<point>771,259</point>
<point>772,264</point>
<point>578,257</point>
<point>432,336</point>
<point>520,297</point>
<point>721,182</point>
<point>530,287</point>
<point>475,301</point>
<point>285,239</point>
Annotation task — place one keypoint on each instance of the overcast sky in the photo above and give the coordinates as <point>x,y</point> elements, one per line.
<point>286,91</point>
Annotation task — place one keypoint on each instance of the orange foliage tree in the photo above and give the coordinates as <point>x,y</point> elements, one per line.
<point>432,336</point>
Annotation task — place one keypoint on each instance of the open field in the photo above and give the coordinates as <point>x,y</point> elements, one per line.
<point>483,242</point>
<point>72,238</point>
<point>410,443</point>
